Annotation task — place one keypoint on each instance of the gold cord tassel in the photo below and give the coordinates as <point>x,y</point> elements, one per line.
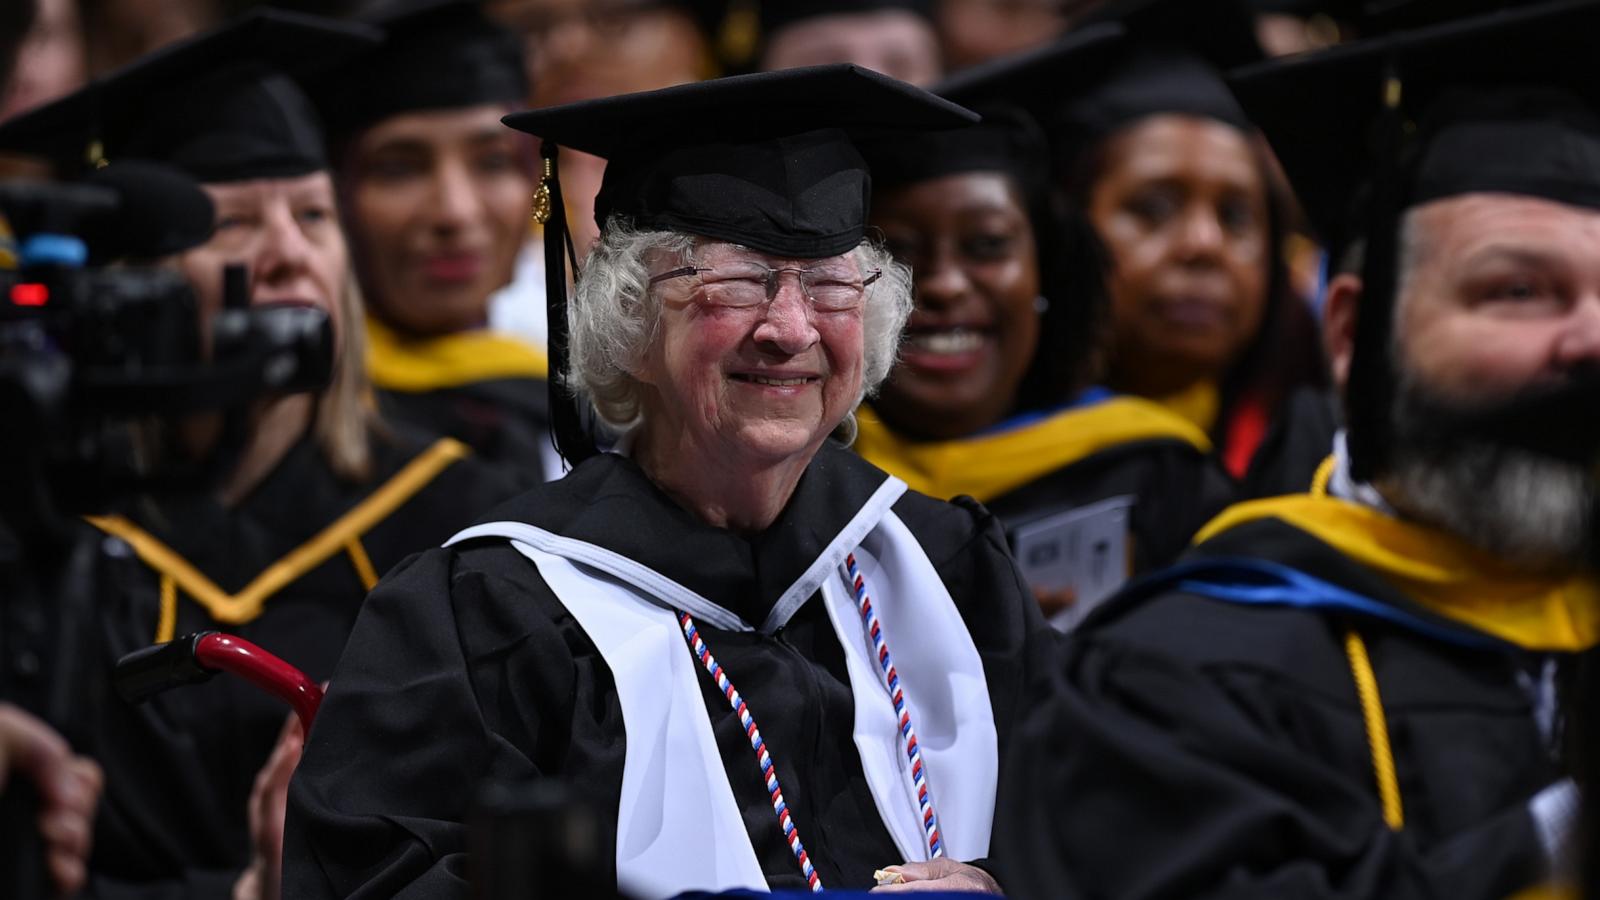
<point>1377,730</point>
<point>541,196</point>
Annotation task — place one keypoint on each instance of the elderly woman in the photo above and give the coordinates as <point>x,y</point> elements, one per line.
<point>314,497</point>
<point>765,661</point>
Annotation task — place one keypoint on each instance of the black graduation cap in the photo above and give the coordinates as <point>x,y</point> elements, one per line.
<point>1343,10</point>
<point>1172,63</point>
<point>222,106</point>
<point>778,14</point>
<point>1167,61</point>
<point>436,54</point>
<point>1385,16</point>
<point>766,160</point>
<point>1007,140</point>
<point>1493,103</point>
<point>1496,103</point>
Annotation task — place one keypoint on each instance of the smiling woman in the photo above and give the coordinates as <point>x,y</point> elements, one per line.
<point>994,395</point>
<point>728,322</point>
<point>435,194</point>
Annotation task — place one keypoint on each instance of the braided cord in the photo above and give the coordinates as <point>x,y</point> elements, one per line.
<point>1377,730</point>
<point>769,772</point>
<point>908,734</point>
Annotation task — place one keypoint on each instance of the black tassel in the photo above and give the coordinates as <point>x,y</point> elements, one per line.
<point>1372,376</point>
<point>567,433</point>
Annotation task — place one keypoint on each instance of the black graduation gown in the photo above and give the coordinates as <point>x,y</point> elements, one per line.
<point>506,421</point>
<point>1177,489</point>
<point>1075,457</point>
<point>179,768</point>
<point>485,389</point>
<point>465,666</point>
<point>1193,747</point>
<point>1300,438</point>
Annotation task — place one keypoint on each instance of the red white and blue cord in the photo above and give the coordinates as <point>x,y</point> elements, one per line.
<point>908,734</point>
<point>768,772</point>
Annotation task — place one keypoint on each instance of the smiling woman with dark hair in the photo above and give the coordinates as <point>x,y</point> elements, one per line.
<point>1155,150</point>
<point>995,394</point>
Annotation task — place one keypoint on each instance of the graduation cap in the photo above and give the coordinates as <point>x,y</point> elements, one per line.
<point>1386,16</point>
<point>766,160</point>
<point>1366,131</point>
<point>436,54</point>
<point>1343,10</point>
<point>1168,60</point>
<point>222,106</point>
<point>1008,139</point>
<point>778,14</point>
<point>1172,63</point>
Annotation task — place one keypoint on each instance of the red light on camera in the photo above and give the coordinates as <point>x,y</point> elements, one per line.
<point>30,294</point>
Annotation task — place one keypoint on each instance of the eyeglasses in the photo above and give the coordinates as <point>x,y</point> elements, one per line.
<point>747,284</point>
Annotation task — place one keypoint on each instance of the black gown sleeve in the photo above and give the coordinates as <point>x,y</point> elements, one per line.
<point>455,673</point>
<point>399,712</point>
<point>1140,776</point>
<point>1010,634</point>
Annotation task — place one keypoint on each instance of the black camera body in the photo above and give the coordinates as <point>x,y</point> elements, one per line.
<point>94,350</point>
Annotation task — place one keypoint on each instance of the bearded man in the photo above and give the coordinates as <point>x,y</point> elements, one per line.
<point>1353,692</point>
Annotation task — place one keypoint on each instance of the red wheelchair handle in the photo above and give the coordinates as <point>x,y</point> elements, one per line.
<point>196,657</point>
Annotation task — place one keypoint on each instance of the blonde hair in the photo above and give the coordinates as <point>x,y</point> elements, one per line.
<point>347,412</point>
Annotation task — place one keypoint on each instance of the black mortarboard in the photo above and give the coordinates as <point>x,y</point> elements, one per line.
<point>1386,16</point>
<point>1168,61</point>
<point>436,54</point>
<point>1173,57</point>
<point>1007,140</point>
<point>767,161</point>
<point>1348,10</point>
<point>221,106</point>
<point>777,14</point>
<point>1490,104</point>
<point>1367,130</point>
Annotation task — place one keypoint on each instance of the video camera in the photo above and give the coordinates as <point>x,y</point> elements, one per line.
<point>93,343</point>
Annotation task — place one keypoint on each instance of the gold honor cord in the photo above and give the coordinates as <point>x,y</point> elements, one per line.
<point>343,535</point>
<point>1377,729</point>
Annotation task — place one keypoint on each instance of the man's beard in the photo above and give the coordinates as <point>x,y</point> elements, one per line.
<point>1455,466</point>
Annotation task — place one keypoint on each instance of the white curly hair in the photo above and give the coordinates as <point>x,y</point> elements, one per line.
<point>612,318</point>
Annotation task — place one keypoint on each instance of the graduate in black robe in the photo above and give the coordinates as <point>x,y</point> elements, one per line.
<point>1149,144</point>
<point>435,193</point>
<point>994,393</point>
<point>313,497</point>
<point>1355,691</point>
<point>797,697</point>
<point>286,569</point>
<point>504,683</point>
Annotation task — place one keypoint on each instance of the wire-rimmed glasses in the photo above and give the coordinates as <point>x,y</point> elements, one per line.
<point>831,286</point>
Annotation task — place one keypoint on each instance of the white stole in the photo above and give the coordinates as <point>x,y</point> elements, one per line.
<point>678,825</point>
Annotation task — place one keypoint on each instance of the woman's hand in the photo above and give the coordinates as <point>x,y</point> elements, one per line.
<point>268,800</point>
<point>69,790</point>
<point>940,875</point>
